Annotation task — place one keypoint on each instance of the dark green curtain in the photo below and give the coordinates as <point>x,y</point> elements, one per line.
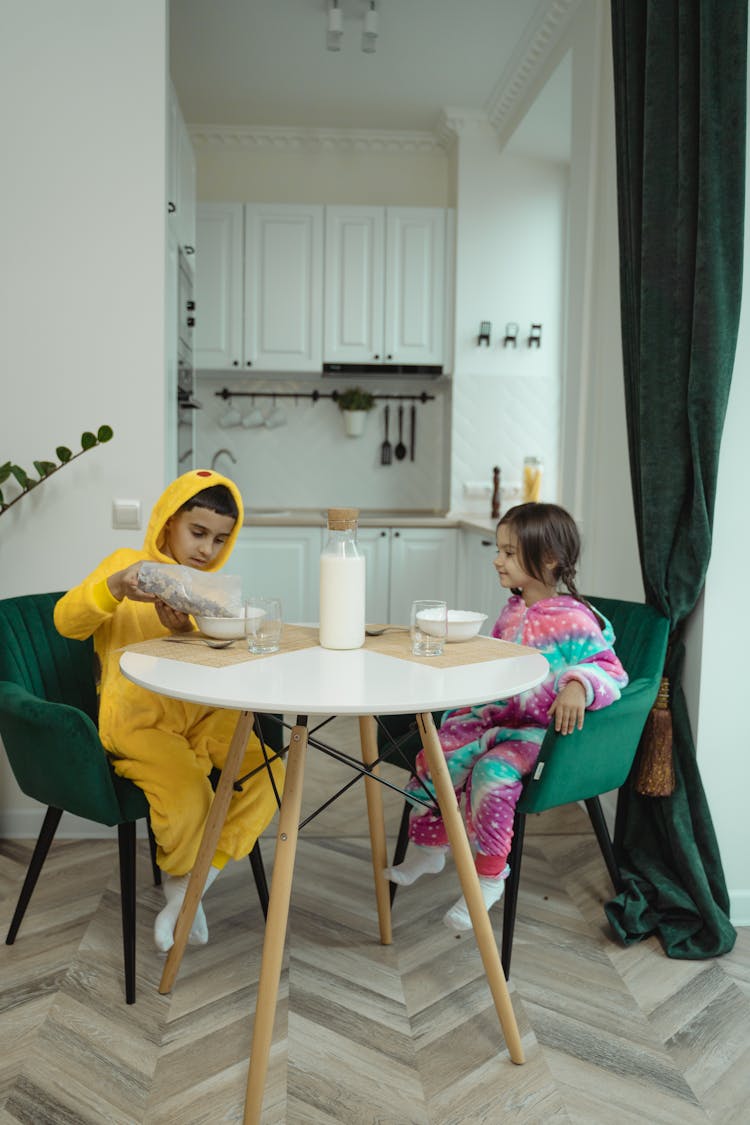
<point>680,93</point>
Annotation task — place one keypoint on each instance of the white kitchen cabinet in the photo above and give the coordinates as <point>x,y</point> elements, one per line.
<point>259,287</point>
<point>385,285</point>
<point>283,562</point>
<point>479,588</point>
<point>404,564</point>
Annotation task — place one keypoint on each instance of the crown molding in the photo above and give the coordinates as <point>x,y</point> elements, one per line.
<point>543,34</point>
<point>454,122</point>
<point>287,138</point>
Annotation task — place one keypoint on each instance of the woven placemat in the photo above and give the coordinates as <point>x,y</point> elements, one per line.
<point>192,650</point>
<point>476,651</point>
<point>295,637</point>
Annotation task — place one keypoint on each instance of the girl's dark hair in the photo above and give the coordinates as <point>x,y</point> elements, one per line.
<point>218,498</point>
<point>546,532</point>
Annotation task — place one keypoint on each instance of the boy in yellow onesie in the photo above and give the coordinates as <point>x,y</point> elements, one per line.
<point>168,747</point>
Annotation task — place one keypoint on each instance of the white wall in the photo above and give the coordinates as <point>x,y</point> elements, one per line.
<point>82,227</point>
<point>510,223</point>
<point>716,665</point>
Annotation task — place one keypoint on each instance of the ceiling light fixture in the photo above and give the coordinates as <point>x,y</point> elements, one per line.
<point>370,31</point>
<point>335,26</point>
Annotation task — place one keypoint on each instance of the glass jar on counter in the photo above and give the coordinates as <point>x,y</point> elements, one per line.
<point>533,468</point>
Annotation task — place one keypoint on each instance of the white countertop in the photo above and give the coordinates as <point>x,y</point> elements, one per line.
<point>315,517</point>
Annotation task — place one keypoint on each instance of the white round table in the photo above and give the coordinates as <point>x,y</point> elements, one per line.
<point>316,681</point>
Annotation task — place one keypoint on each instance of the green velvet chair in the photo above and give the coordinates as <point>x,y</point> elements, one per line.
<point>575,767</point>
<point>48,724</point>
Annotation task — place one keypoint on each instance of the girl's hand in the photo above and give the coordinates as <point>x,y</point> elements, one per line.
<point>569,707</point>
<point>173,619</point>
<point>124,584</point>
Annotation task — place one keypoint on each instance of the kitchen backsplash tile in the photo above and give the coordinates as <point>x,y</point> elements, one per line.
<point>499,420</point>
<point>310,462</point>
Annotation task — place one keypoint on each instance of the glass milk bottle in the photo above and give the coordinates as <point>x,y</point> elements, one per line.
<point>342,583</point>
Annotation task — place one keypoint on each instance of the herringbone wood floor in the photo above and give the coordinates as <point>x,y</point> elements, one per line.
<point>405,1034</point>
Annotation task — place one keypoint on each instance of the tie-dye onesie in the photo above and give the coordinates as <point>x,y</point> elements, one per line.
<point>490,748</point>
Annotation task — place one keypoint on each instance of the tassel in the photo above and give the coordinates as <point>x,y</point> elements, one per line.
<point>656,769</point>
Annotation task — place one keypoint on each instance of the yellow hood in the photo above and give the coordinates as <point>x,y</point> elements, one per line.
<point>172,499</point>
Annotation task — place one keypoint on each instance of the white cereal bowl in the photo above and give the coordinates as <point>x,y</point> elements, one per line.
<point>463,624</point>
<point>225,628</point>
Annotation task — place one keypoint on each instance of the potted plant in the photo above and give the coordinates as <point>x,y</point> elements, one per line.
<point>355,404</point>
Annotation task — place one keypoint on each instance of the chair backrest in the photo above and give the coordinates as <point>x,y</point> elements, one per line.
<point>48,711</point>
<point>35,656</point>
<point>598,758</point>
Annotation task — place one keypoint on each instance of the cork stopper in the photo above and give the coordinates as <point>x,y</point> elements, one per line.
<point>342,519</point>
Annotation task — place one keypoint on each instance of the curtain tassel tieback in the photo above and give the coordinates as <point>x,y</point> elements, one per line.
<point>656,768</point>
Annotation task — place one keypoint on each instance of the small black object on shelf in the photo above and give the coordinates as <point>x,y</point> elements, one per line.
<point>511,334</point>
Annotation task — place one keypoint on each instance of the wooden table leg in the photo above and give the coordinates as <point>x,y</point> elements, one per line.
<point>278,914</point>
<point>376,818</point>
<point>467,874</point>
<point>207,850</point>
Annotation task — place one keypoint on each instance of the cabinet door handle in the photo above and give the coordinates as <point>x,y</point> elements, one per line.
<point>383,534</point>
<point>249,363</point>
<point>235,363</point>
<point>189,249</point>
<point>171,208</point>
<point>396,534</point>
<point>487,543</point>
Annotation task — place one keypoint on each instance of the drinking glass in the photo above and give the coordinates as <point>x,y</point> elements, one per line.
<point>263,623</point>
<point>429,626</point>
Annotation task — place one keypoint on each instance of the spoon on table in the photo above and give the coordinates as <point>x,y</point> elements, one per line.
<point>199,641</point>
<point>386,629</point>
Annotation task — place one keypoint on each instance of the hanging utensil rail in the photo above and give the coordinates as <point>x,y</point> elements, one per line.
<point>225,393</point>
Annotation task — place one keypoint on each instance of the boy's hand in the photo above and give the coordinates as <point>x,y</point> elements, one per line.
<point>124,584</point>
<point>173,619</point>
<point>569,707</point>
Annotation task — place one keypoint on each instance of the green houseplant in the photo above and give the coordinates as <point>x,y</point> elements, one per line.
<point>45,469</point>
<point>355,404</point>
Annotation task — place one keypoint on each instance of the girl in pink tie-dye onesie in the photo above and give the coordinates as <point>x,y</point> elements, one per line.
<point>490,748</point>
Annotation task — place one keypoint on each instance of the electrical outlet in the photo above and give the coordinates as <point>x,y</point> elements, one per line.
<point>126,514</point>
<point>477,490</point>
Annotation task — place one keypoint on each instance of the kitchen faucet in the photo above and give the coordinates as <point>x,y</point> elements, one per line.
<point>218,454</point>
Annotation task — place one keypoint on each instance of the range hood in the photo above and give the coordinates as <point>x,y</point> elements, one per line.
<point>379,370</point>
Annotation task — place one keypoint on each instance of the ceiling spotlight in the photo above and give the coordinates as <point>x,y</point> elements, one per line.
<point>335,26</point>
<point>370,32</point>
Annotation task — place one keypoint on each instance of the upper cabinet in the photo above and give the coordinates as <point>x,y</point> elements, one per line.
<point>385,271</point>
<point>180,179</point>
<point>259,287</point>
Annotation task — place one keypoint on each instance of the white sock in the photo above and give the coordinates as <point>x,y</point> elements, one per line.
<point>492,887</point>
<point>164,924</point>
<point>420,860</point>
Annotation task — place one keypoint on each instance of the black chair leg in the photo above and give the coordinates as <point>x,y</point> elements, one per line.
<point>402,843</point>
<point>45,838</point>
<point>126,842</point>
<point>259,874</point>
<point>152,849</point>
<point>511,890</point>
<point>596,816</point>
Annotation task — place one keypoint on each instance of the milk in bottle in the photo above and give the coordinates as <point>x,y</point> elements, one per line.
<point>342,583</point>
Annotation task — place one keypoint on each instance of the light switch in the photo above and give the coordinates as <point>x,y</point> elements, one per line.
<point>126,514</point>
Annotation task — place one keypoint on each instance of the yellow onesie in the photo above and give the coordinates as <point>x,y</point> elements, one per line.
<point>165,746</point>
